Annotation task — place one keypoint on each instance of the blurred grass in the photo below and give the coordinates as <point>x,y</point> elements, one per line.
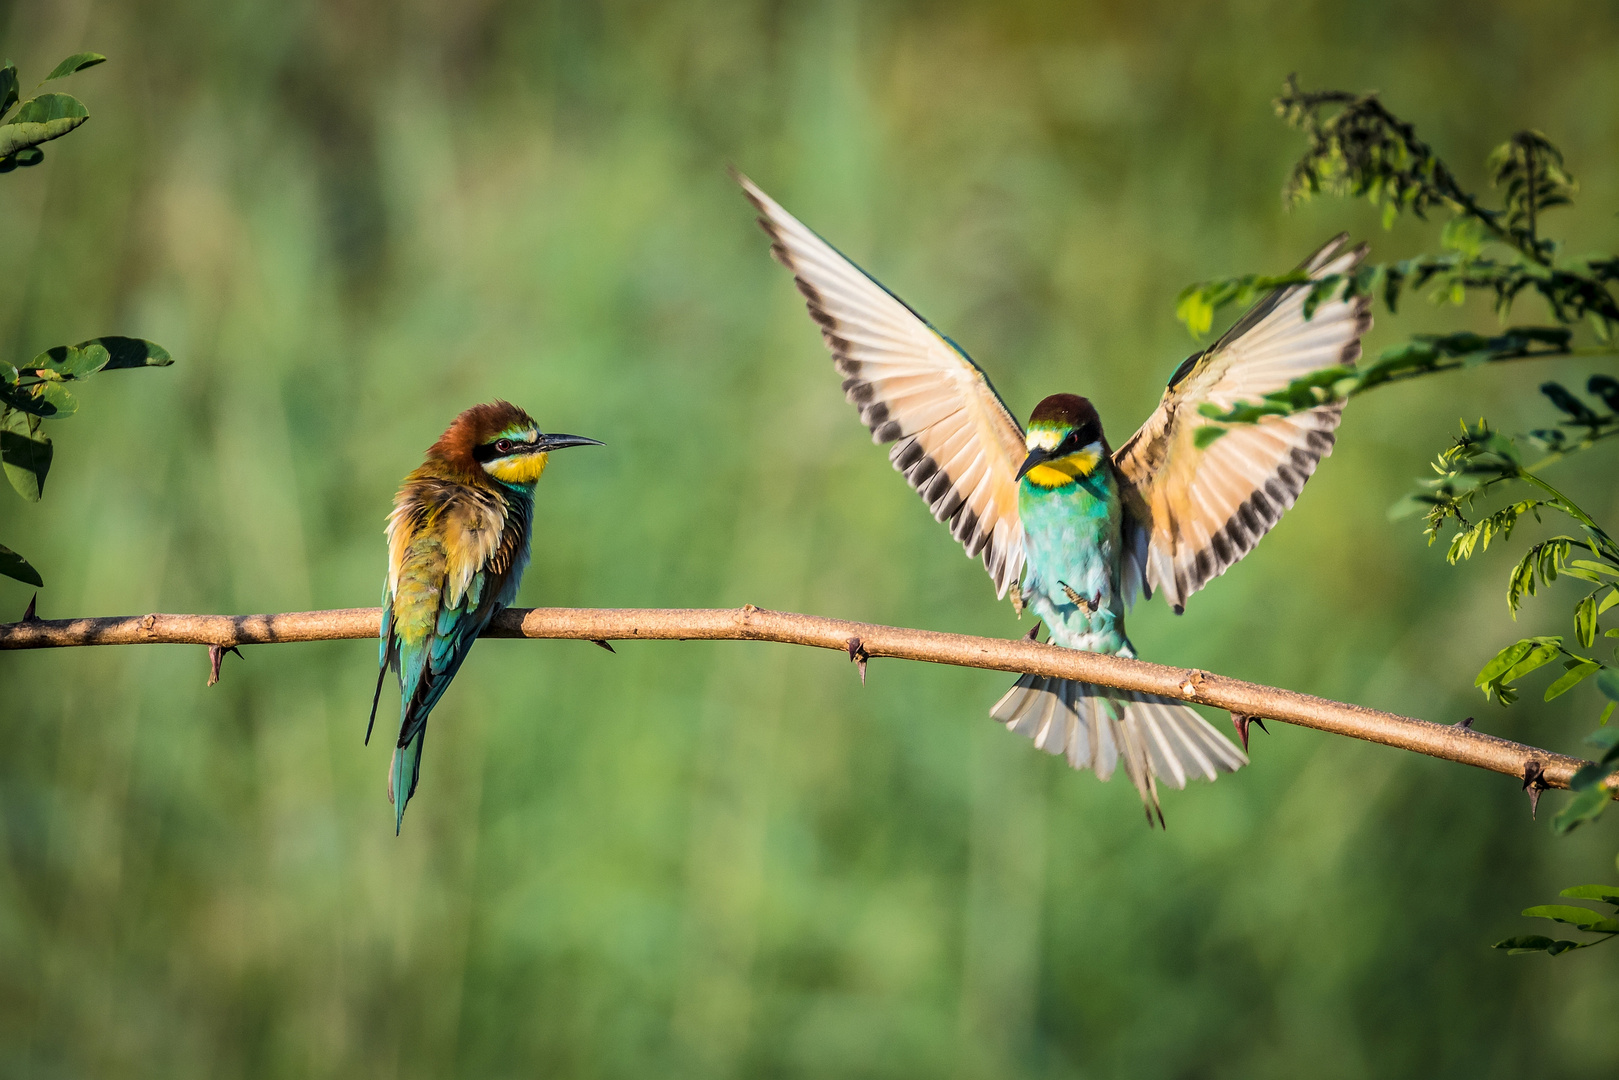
<point>349,220</point>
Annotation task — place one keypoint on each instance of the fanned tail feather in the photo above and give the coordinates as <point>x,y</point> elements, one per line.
<point>404,773</point>
<point>1156,739</point>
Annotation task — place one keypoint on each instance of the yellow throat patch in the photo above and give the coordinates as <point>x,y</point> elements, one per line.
<point>1063,470</point>
<point>518,470</point>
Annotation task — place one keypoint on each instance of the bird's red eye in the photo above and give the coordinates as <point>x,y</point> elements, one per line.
<point>503,446</point>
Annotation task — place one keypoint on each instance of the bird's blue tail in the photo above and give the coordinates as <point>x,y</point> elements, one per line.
<point>1100,727</point>
<point>404,773</point>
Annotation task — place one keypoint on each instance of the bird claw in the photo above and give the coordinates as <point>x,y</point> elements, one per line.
<point>1241,721</point>
<point>1534,782</point>
<point>216,656</point>
<point>858,653</point>
<point>1077,600</point>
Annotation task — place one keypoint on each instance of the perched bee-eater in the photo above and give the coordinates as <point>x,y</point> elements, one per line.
<point>1073,529</point>
<point>458,541</point>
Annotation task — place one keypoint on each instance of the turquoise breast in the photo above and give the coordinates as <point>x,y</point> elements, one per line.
<point>1071,569</point>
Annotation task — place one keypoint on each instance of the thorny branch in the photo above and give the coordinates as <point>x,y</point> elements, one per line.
<point>1538,769</point>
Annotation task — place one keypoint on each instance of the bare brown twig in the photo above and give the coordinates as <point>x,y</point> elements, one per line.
<point>1538,768</point>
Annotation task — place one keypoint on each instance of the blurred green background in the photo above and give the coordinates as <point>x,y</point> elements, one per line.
<point>349,220</point>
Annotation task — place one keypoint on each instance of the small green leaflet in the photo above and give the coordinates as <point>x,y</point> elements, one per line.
<point>1608,683</point>
<point>1608,894</point>
<point>1584,918</point>
<point>1536,943</point>
<point>1578,670</point>
<point>15,566</point>
<point>25,453</point>
<point>76,62</point>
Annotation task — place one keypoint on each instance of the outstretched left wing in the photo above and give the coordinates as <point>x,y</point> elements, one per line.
<point>954,440</point>
<point>1191,512</point>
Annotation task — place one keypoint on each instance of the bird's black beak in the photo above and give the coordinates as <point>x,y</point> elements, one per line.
<point>548,443</point>
<point>1036,456</point>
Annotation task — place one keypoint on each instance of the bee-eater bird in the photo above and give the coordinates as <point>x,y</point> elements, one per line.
<point>1073,529</point>
<point>458,541</point>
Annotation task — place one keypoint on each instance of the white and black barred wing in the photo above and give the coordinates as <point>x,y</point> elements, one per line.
<point>1190,512</point>
<point>954,439</point>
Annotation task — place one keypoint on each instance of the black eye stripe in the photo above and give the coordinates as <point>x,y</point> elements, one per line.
<point>1077,440</point>
<point>487,451</point>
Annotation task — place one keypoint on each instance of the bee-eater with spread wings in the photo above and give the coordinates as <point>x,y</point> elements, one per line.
<point>458,541</point>
<point>1071,527</point>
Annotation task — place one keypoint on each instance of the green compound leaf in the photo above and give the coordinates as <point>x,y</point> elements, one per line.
<point>67,362</point>
<point>1607,741</point>
<point>41,119</point>
<point>76,62</point>
<point>1585,806</point>
<point>49,108</point>
<point>1608,894</point>
<point>1514,662</point>
<point>51,400</point>
<point>1608,683</point>
<point>71,361</point>
<point>1564,913</point>
<point>15,566</point>
<point>25,453</point>
<point>1194,309</point>
<point>1536,943</point>
<point>1578,671</point>
<point>129,352</point>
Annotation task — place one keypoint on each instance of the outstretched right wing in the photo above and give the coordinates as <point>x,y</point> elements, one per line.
<point>955,442</point>
<point>1191,512</point>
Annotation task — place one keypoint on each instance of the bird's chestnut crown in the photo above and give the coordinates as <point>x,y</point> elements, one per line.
<point>502,441</point>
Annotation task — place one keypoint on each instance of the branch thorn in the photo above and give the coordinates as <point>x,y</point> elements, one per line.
<point>1033,633</point>
<point>216,656</point>
<point>858,653</point>
<point>1465,725</point>
<point>29,616</point>
<point>1534,782</point>
<point>1242,720</point>
<point>603,644</point>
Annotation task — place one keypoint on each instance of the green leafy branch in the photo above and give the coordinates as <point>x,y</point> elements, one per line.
<point>39,119</point>
<point>1591,796</point>
<point>1582,918</point>
<point>1357,148</point>
<point>37,391</point>
<point>1479,462</point>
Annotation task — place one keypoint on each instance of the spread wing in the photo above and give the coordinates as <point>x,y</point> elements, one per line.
<point>953,438</point>
<point>1190,512</point>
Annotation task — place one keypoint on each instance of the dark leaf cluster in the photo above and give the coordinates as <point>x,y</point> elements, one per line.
<point>1581,918</point>
<point>37,391</point>
<point>41,118</point>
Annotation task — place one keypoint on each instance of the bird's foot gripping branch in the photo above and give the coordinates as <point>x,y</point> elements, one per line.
<point>1538,769</point>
